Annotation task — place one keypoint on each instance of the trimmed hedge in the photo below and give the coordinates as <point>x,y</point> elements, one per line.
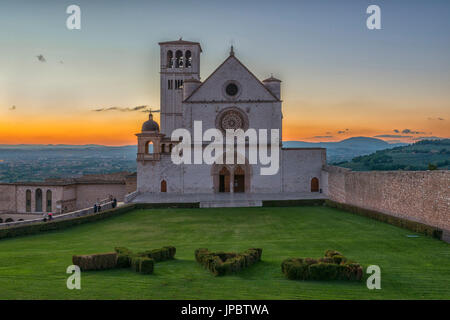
<point>396,221</point>
<point>222,263</point>
<point>123,257</point>
<point>165,253</point>
<point>293,203</point>
<point>142,264</point>
<point>164,205</point>
<point>99,261</point>
<point>334,266</point>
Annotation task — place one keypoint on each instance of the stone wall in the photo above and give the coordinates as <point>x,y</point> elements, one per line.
<point>7,198</point>
<point>299,166</point>
<point>422,196</point>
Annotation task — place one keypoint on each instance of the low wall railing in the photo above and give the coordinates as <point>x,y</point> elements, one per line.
<point>105,205</point>
<point>131,196</point>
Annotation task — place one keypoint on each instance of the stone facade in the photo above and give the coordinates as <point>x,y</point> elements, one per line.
<point>230,98</point>
<point>422,196</point>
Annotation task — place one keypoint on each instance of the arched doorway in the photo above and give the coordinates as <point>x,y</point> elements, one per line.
<point>28,201</point>
<point>239,180</point>
<point>9,220</point>
<point>38,200</point>
<point>163,186</point>
<point>1,220</point>
<point>224,180</point>
<point>49,201</point>
<point>314,185</point>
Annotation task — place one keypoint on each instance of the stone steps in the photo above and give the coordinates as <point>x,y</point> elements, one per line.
<point>231,204</point>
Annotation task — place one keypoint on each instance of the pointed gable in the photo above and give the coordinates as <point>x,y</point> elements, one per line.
<point>231,70</point>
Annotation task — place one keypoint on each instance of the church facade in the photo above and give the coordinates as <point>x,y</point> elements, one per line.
<point>232,97</point>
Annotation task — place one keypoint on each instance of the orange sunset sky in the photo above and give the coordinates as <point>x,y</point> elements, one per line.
<point>339,79</point>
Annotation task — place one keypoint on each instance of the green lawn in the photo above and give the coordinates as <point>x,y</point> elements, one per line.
<point>33,267</point>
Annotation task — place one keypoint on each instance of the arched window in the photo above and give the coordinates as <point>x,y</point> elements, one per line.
<point>28,201</point>
<point>178,59</point>
<point>314,185</point>
<point>9,220</point>
<point>163,186</point>
<point>169,59</point>
<point>149,147</point>
<point>1,220</point>
<point>49,201</point>
<point>38,199</point>
<point>188,58</point>
<point>163,147</point>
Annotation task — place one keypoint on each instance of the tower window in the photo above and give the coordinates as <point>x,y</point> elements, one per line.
<point>178,59</point>
<point>178,84</point>
<point>188,57</point>
<point>169,59</point>
<point>170,84</point>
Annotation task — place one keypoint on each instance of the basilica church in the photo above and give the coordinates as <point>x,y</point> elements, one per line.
<point>232,97</point>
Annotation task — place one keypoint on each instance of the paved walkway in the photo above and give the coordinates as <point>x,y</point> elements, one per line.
<point>224,197</point>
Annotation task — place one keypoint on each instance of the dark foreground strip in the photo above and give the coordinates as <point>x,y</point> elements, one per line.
<point>228,309</point>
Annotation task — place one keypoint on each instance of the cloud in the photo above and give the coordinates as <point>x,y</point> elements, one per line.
<point>391,136</point>
<point>322,137</point>
<point>41,58</point>
<point>396,131</point>
<point>438,118</point>
<point>134,109</point>
<point>408,131</point>
<point>343,131</point>
<point>13,108</point>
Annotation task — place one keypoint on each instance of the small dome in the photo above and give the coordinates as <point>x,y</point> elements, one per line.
<point>150,125</point>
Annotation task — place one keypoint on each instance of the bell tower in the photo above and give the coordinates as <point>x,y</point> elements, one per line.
<point>180,61</point>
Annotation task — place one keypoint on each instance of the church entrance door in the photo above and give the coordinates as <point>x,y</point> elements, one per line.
<point>224,180</point>
<point>239,180</point>
<point>239,183</point>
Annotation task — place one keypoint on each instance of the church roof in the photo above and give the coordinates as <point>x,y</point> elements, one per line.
<point>271,79</point>
<point>232,56</point>
<point>181,42</point>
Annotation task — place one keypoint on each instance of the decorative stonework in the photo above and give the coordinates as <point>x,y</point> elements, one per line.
<point>232,118</point>
<point>231,90</point>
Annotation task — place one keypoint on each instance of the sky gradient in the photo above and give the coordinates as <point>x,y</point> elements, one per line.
<point>339,78</point>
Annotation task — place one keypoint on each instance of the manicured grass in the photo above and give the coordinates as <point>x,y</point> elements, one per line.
<point>33,267</point>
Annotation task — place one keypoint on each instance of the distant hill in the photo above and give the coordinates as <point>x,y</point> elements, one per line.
<point>40,162</point>
<point>346,149</point>
<point>422,155</point>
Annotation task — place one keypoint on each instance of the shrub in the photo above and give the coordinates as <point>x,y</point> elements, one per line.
<point>334,266</point>
<point>165,253</point>
<point>98,261</point>
<point>123,257</point>
<point>222,263</point>
<point>142,264</point>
